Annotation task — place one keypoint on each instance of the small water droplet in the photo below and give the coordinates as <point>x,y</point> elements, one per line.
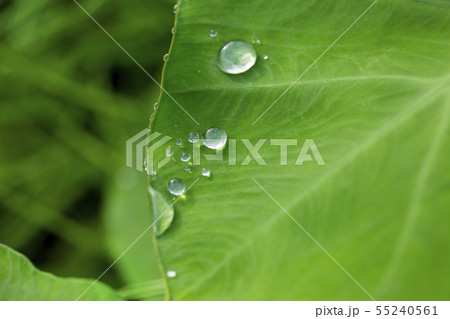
<point>173,30</point>
<point>155,105</point>
<point>169,152</point>
<point>179,141</point>
<point>165,56</point>
<point>206,172</point>
<point>198,71</point>
<point>175,7</point>
<point>213,33</point>
<point>153,173</point>
<point>236,57</point>
<point>176,186</point>
<point>175,125</point>
<point>193,137</point>
<point>214,138</point>
<point>145,164</point>
<point>265,57</point>
<point>171,274</point>
<point>187,168</point>
<point>256,41</point>
<point>185,157</point>
<point>163,211</point>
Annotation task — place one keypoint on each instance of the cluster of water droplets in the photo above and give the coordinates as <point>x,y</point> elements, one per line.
<point>214,138</point>
<point>235,57</point>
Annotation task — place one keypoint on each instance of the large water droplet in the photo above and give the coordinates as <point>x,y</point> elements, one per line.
<point>171,273</point>
<point>214,138</point>
<point>206,172</point>
<point>236,57</point>
<point>185,157</point>
<point>176,186</point>
<point>162,212</point>
<point>165,56</point>
<point>193,137</point>
<point>213,33</point>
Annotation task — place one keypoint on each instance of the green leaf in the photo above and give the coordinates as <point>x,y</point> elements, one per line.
<point>19,280</point>
<point>376,104</point>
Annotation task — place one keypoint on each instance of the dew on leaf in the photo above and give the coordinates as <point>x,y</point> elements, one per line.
<point>214,138</point>
<point>236,57</point>
<point>165,56</point>
<point>179,141</point>
<point>171,274</point>
<point>162,212</point>
<point>213,33</point>
<point>193,137</point>
<point>206,172</point>
<point>176,186</point>
<point>169,152</point>
<point>185,157</point>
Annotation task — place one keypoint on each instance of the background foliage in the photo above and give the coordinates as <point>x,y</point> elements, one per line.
<point>69,100</point>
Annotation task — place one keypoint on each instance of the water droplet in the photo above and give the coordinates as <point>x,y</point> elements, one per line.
<point>176,186</point>
<point>214,138</point>
<point>198,71</point>
<point>162,212</point>
<point>236,57</point>
<point>213,33</point>
<point>265,57</point>
<point>173,30</point>
<point>175,125</point>
<point>256,41</point>
<point>171,274</point>
<point>187,168</point>
<point>185,157</point>
<point>193,137</point>
<point>153,173</point>
<point>145,164</point>
<point>165,56</point>
<point>179,141</point>
<point>175,7</point>
<point>206,172</point>
<point>169,152</point>
<point>155,105</point>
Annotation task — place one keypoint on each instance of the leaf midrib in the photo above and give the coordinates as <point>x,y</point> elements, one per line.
<point>284,85</point>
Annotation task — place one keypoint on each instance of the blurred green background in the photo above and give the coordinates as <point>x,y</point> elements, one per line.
<point>70,98</point>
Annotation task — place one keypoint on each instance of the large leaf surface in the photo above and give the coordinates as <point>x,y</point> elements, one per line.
<point>377,105</point>
<point>20,280</point>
